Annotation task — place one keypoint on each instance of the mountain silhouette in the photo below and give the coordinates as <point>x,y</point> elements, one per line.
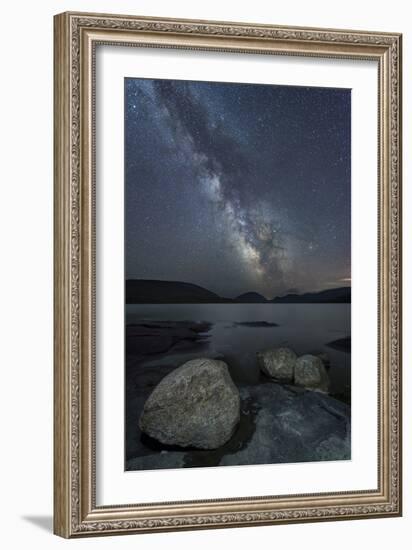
<point>340,295</point>
<point>151,291</point>
<point>251,298</point>
<point>147,291</point>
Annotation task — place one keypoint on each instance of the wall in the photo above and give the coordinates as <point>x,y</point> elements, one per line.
<point>26,274</point>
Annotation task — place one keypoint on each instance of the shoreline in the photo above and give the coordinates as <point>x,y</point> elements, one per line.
<point>270,411</point>
<point>278,424</point>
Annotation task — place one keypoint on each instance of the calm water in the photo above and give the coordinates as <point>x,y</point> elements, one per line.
<point>306,328</point>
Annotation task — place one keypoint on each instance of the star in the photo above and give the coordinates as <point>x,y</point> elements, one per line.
<point>237,187</point>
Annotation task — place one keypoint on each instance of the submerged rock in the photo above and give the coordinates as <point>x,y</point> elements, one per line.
<point>278,363</point>
<point>196,405</point>
<point>310,373</point>
<point>343,344</point>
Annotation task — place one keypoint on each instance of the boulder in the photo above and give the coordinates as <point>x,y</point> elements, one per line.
<point>278,363</point>
<point>310,373</point>
<point>196,405</point>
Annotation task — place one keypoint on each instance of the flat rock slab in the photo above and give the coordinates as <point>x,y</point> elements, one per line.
<point>155,337</point>
<point>294,426</point>
<point>255,324</point>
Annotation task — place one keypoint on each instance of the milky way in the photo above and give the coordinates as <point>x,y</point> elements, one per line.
<point>238,187</point>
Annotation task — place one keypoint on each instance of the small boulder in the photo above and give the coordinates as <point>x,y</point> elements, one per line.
<point>196,405</point>
<point>310,373</point>
<point>278,363</point>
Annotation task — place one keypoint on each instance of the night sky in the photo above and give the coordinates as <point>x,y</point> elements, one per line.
<point>237,187</point>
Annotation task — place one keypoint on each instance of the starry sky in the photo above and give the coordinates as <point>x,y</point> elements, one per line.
<point>238,187</point>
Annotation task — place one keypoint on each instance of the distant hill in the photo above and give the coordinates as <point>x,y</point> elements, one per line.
<point>250,298</point>
<point>340,295</point>
<point>147,291</point>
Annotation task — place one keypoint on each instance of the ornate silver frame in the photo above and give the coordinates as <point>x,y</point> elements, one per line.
<point>75,510</point>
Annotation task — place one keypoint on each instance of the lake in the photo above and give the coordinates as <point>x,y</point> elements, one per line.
<point>306,328</point>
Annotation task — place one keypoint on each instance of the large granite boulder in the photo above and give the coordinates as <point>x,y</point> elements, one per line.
<point>278,363</point>
<point>310,373</point>
<point>196,405</point>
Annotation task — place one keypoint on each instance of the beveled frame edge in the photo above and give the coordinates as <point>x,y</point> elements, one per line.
<point>75,511</point>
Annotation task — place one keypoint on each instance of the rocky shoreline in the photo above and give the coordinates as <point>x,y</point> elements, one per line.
<point>278,424</point>
<point>279,421</point>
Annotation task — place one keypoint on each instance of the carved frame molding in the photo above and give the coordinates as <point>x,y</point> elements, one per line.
<point>76,36</point>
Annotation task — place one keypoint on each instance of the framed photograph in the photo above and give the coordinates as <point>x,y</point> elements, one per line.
<point>227,274</point>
